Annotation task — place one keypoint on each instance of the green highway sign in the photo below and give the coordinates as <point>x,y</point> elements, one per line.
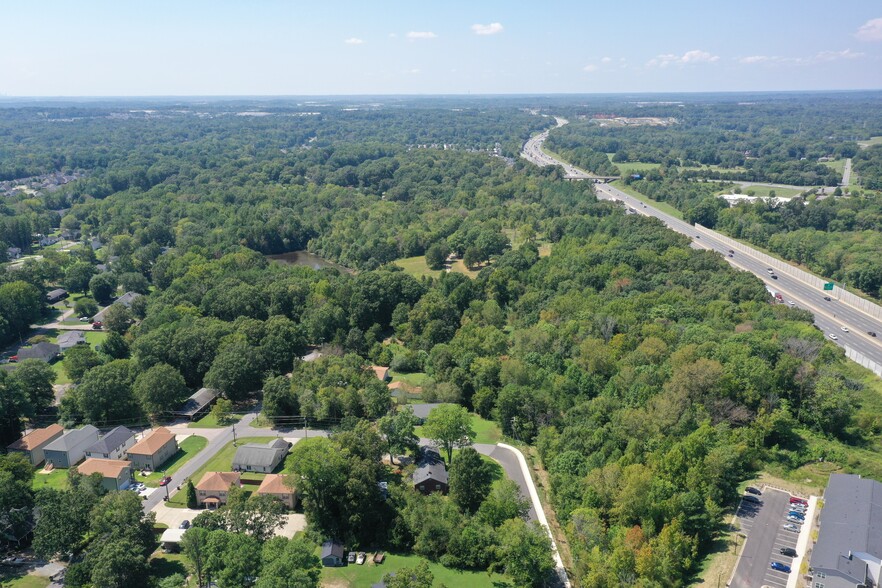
<point>828,286</point>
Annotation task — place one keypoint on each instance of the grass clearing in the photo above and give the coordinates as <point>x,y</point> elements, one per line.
<point>61,376</point>
<point>872,141</point>
<point>765,190</point>
<point>355,576</point>
<point>633,167</point>
<point>186,450</point>
<point>663,206</point>
<point>415,380</point>
<point>209,422</point>
<point>163,565</point>
<point>838,165</point>
<point>416,266</point>
<point>718,563</point>
<point>21,579</point>
<point>96,337</point>
<point>56,479</point>
<point>486,431</point>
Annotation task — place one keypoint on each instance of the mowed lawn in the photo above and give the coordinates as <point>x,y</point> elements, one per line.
<point>416,266</point>
<point>10,578</point>
<point>56,479</point>
<point>209,422</point>
<point>355,576</point>
<point>186,450</point>
<point>221,462</point>
<point>485,431</point>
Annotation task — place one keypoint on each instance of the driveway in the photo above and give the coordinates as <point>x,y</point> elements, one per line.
<point>173,516</point>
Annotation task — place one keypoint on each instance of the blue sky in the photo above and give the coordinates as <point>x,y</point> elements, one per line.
<point>274,47</point>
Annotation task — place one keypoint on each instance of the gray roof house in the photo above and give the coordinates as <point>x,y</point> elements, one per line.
<point>848,553</point>
<point>332,554</point>
<point>69,449</point>
<point>421,411</point>
<point>113,445</point>
<point>42,351</point>
<point>198,404</point>
<point>126,300</point>
<point>55,295</point>
<point>257,457</point>
<point>69,339</point>
<point>431,473</point>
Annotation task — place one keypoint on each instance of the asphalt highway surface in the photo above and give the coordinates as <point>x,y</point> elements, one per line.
<point>830,315</point>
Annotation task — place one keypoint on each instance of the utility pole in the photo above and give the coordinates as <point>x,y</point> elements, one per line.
<point>234,434</point>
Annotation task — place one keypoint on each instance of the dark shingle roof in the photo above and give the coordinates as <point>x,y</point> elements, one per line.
<point>421,411</point>
<point>44,351</point>
<point>332,548</point>
<point>851,521</point>
<point>430,467</point>
<point>261,455</point>
<point>111,441</point>
<point>71,438</point>
<point>198,401</point>
<point>68,339</point>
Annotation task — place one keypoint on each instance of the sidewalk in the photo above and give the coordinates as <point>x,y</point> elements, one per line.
<point>802,544</point>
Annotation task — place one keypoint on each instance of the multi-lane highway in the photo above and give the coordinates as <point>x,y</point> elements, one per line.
<point>830,315</point>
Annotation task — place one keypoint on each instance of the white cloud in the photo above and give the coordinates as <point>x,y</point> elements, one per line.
<point>353,41</point>
<point>590,68</point>
<point>694,56</point>
<point>820,57</point>
<point>421,35</point>
<point>606,60</point>
<point>870,30</point>
<point>415,71</point>
<point>487,29</point>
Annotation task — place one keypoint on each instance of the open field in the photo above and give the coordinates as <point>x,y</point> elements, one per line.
<point>355,576</point>
<point>664,207</point>
<point>415,379</point>
<point>11,578</point>
<point>61,376</point>
<point>838,165</point>
<point>56,479</point>
<point>765,190</point>
<point>186,450</point>
<point>872,141</point>
<point>416,266</point>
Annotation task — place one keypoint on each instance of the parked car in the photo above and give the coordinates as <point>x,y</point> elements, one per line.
<point>797,500</point>
<point>788,551</point>
<point>13,359</point>
<point>753,490</point>
<point>85,319</point>
<point>749,498</point>
<point>97,325</point>
<point>379,557</point>
<point>360,558</point>
<point>798,514</point>
<point>185,524</point>
<point>351,557</point>
<point>793,519</point>
<point>777,565</point>
<point>792,527</point>
<point>165,481</point>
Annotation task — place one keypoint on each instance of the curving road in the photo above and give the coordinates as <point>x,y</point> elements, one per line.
<point>830,316</point>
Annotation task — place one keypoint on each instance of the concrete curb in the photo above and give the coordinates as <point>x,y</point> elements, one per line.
<point>540,514</point>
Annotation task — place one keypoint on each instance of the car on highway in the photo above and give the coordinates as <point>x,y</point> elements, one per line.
<point>165,481</point>
<point>753,490</point>
<point>827,298</point>
<point>770,270</point>
<point>871,333</point>
<point>698,236</point>
<point>778,566</point>
<point>792,527</point>
<point>791,303</point>
<point>730,255</point>
<point>843,329</point>
<point>774,276</point>
<point>833,336</point>
<point>788,551</point>
<point>732,251</point>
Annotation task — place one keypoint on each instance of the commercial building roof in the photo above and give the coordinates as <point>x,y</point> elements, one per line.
<point>109,468</point>
<point>850,525</point>
<point>111,441</point>
<point>218,481</point>
<point>72,438</point>
<point>153,442</point>
<point>36,438</point>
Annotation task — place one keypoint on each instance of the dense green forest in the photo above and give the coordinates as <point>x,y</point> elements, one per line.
<point>651,378</point>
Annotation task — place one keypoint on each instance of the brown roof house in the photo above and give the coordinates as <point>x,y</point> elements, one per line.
<point>116,474</point>
<point>381,372</point>
<point>213,489</point>
<point>153,450</point>
<point>274,485</point>
<point>33,443</point>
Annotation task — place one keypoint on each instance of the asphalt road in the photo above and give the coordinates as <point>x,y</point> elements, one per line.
<point>509,463</point>
<point>846,172</point>
<point>764,526</point>
<point>830,316</point>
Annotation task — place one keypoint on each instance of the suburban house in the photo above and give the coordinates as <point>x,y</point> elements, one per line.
<point>431,473</point>
<point>69,339</point>
<point>381,372</point>
<point>274,485</point>
<point>126,300</point>
<point>56,295</point>
<point>13,252</point>
<point>113,445</point>
<point>332,554</point>
<point>116,474</point>
<point>198,404</point>
<point>69,449</point>
<point>153,450</point>
<point>34,442</point>
<point>848,552</point>
<point>42,351</point>
<point>259,457</point>
<point>421,411</point>
<point>213,489</point>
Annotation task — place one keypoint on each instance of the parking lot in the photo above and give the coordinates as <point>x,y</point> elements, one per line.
<point>763,524</point>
